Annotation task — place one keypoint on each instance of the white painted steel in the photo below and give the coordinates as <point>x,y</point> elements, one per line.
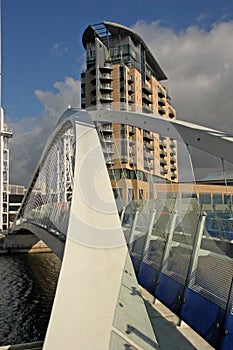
<point>84,314</point>
<point>97,305</point>
<point>209,140</point>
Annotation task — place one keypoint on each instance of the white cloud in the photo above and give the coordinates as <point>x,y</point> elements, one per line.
<point>31,134</point>
<point>199,66</point>
<point>59,49</point>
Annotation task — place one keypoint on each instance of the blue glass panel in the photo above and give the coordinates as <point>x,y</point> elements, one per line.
<point>168,291</point>
<point>205,317</point>
<point>227,341</point>
<point>147,277</point>
<point>136,263</point>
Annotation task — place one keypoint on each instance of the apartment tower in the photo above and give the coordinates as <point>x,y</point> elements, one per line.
<point>122,74</point>
<point>5,134</point>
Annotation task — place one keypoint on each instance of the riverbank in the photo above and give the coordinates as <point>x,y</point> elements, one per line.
<point>27,243</point>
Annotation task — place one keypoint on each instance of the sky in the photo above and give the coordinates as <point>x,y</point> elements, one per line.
<point>43,57</point>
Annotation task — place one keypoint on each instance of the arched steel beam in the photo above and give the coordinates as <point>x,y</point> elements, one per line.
<point>209,140</point>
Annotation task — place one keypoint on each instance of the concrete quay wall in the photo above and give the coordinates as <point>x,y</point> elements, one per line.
<point>22,243</point>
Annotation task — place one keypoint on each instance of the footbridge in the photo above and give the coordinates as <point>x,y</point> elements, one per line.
<point>116,226</point>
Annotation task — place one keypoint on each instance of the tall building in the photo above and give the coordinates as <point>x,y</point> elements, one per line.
<point>16,194</point>
<point>5,134</point>
<point>121,73</point>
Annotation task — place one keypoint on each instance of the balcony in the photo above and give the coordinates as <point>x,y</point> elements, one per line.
<point>173,167</point>
<point>6,132</point>
<point>131,141</point>
<point>131,100</point>
<point>172,159</point>
<point>130,80</point>
<point>146,89</point>
<point>146,98</point>
<point>172,152</point>
<point>163,161</point>
<point>106,128</point>
<point>106,98</point>
<point>163,170</point>
<point>171,113</point>
<point>148,145</point>
<point>148,155</point>
<point>108,150</point>
<point>162,110</point>
<point>106,67</point>
<point>148,165</point>
<point>132,130</point>
<point>105,77</point>
<point>173,176</point>
<point>93,89</point>
<point>162,144</point>
<point>130,90</point>
<point>106,87</point>
<point>109,161</point>
<point>108,139</point>
<point>146,109</point>
<point>161,93</point>
<point>93,100</point>
<point>93,79</point>
<point>172,144</point>
<point>162,153</point>
<point>161,102</point>
<point>131,160</point>
<point>147,135</point>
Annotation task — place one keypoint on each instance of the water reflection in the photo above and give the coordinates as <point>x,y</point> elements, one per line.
<point>27,289</point>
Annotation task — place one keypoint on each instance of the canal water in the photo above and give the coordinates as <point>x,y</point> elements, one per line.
<point>27,288</point>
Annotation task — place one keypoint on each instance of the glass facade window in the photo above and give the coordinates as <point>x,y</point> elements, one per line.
<point>205,198</point>
<point>130,194</point>
<point>91,55</point>
<point>227,199</point>
<point>139,175</point>
<point>217,198</point>
<point>140,193</point>
<point>117,193</point>
<point>189,195</point>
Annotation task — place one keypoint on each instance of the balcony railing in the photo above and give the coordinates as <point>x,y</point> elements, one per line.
<point>106,128</point>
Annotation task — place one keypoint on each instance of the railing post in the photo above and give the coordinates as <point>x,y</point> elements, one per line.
<point>149,234</point>
<point>131,238</point>
<point>171,229</point>
<point>122,215</point>
<point>196,248</point>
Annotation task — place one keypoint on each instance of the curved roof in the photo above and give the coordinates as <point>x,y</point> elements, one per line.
<point>115,29</point>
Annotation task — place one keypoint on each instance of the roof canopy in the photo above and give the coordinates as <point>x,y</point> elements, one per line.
<point>103,29</point>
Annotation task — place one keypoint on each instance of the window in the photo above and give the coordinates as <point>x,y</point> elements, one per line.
<point>217,198</point>
<point>189,195</point>
<point>204,198</point>
<point>140,193</point>
<point>227,199</point>
<point>117,193</point>
<point>140,175</point>
<point>130,194</point>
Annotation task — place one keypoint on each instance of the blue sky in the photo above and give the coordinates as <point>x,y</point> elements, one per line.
<point>41,39</point>
<point>43,56</point>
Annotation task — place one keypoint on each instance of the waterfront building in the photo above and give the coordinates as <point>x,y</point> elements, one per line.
<point>16,194</point>
<point>5,135</point>
<point>122,74</point>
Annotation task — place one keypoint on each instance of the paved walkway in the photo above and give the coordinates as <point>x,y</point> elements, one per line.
<point>169,335</point>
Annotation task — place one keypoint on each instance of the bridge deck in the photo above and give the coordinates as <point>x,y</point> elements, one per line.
<point>169,333</point>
